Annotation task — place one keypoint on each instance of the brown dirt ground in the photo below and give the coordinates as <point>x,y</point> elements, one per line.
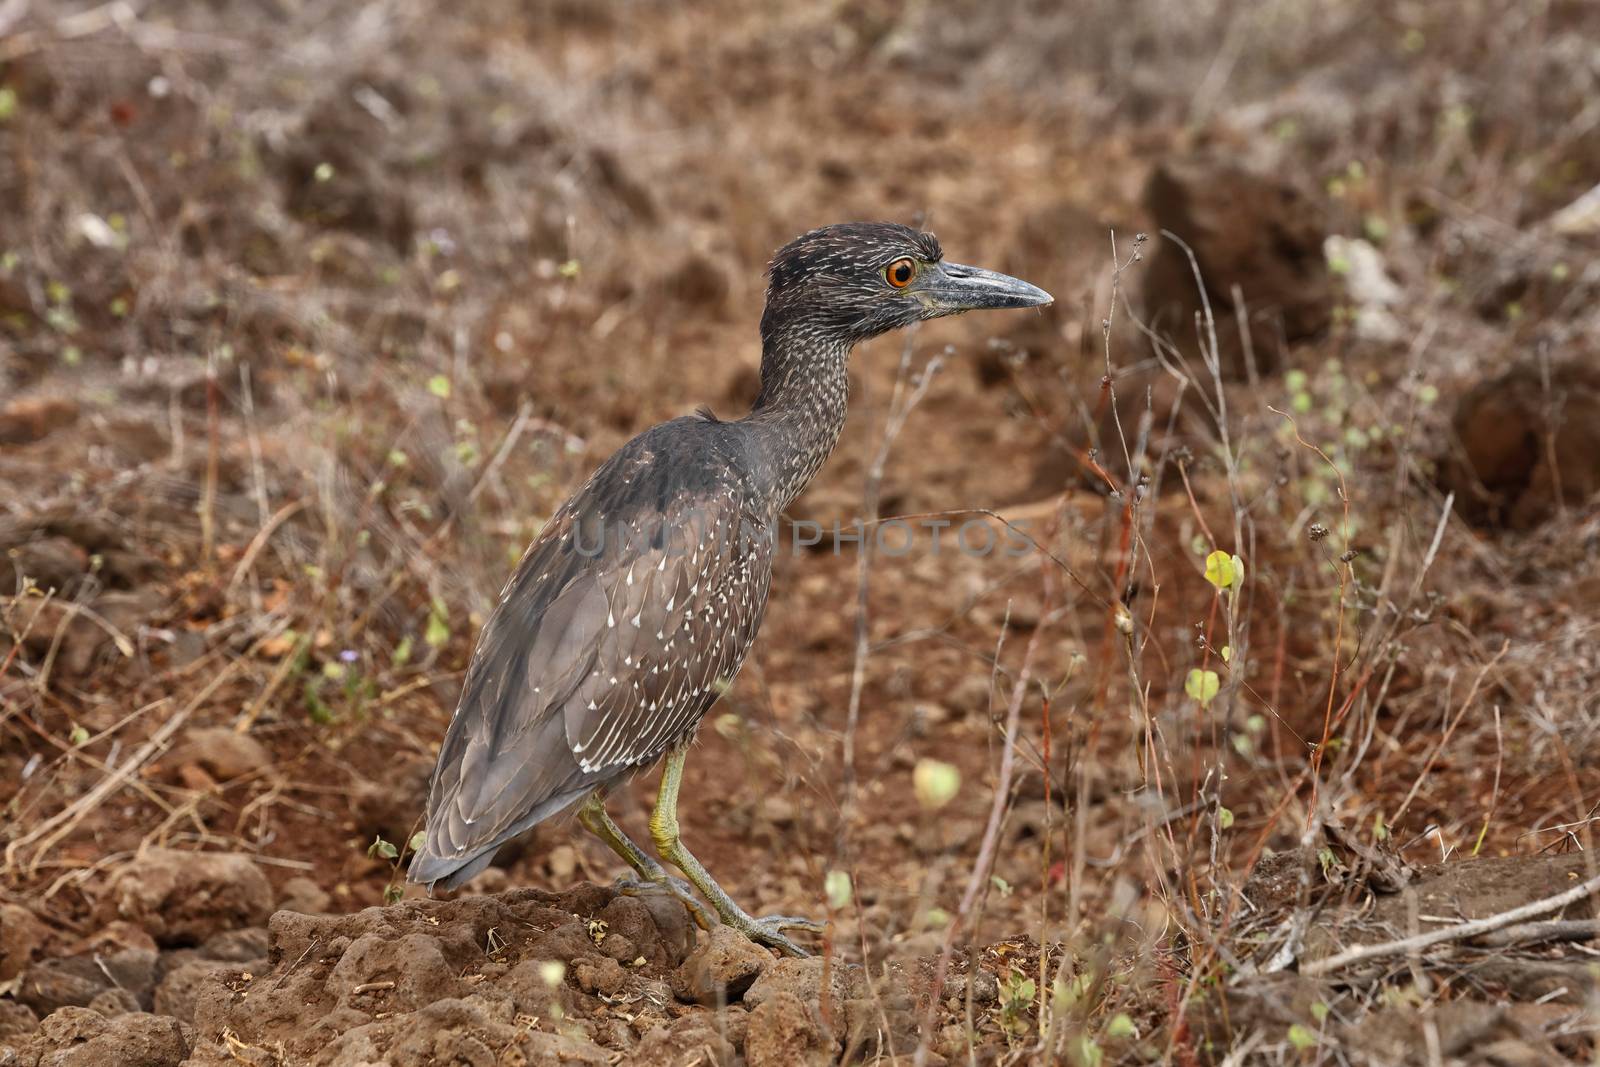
<point>311,312</point>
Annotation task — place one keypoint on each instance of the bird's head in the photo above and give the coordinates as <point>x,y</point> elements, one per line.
<point>856,280</point>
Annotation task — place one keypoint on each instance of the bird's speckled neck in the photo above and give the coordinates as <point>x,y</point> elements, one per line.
<point>800,413</point>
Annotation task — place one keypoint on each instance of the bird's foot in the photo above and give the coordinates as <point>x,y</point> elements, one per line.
<point>703,916</point>
<point>769,931</point>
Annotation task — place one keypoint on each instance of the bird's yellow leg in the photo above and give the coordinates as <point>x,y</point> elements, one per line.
<point>664,831</point>
<point>593,816</point>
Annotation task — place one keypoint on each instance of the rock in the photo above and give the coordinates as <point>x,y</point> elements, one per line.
<point>804,978</point>
<point>400,975</point>
<point>221,752</point>
<point>114,937</point>
<point>78,1037</point>
<point>303,895</point>
<point>472,1030</point>
<point>1373,295</point>
<point>430,981</point>
<point>783,1032</point>
<point>179,990</point>
<point>636,918</point>
<point>72,1024</point>
<point>22,936</point>
<point>236,946</point>
<point>778,810</point>
<point>620,947</point>
<point>1525,449</point>
<point>562,863</point>
<point>185,897</point>
<point>16,1019</point>
<point>876,1027</point>
<point>604,976</point>
<point>26,421</point>
<point>693,1039</point>
<point>1249,231</point>
<point>133,969</point>
<point>113,1002</point>
<point>530,987</point>
<point>721,969</point>
<point>61,983</point>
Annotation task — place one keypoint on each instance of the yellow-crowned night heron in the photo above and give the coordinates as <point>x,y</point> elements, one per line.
<point>636,605</point>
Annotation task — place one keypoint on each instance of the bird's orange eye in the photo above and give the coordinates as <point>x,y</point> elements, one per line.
<point>900,272</point>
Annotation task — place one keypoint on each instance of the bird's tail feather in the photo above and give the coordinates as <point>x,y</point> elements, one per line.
<point>436,870</point>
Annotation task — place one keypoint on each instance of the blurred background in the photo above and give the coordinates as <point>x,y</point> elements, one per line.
<point>312,312</point>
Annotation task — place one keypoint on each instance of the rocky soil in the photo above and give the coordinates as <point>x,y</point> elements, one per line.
<point>311,313</point>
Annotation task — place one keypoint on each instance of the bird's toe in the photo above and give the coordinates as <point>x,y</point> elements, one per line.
<point>769,931</point>
<point>677,888</point>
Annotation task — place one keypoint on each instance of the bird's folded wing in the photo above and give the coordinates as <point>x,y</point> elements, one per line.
<point>605,649</point>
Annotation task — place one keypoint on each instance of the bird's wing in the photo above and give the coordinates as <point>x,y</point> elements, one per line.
<point>623,623</point>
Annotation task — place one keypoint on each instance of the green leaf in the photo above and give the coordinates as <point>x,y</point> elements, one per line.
<point>79,736</point>
<point>837,886</point>
<point>418,839</point>
<point>320,712</point>
<point>1085,1052</point>
<point>1202,685</point>
<point>1227,653</point>
<point>439,386</point>
<point>1219,569</point>
<point>1064,994</point>
<point>1225,818</point>
<point>935,783</point>
<point>1301,1037</point>
<point>438,630</point>
<point>1319,1011</point>
<point>381,849</point>
<point>402,652</point>
<point>1121,1026</point>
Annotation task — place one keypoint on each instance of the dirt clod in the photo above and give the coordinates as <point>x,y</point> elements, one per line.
<point>694,1039</point>
<point>305,896</point>
<point>25,421</point>
<point>335,989</point>
<point>784,1031</point>
<point>1257,233</point>
<point>183,897</point>
<point>22,936</point>
<point>1529,443</point>
<point>79,1037</point>
<point>221,752</point>
<point>720,971</point>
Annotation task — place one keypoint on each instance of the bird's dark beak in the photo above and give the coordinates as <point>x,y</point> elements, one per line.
<point>955,287</point>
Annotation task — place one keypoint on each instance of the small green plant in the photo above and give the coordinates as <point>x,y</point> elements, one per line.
<point>1016,1002</point>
